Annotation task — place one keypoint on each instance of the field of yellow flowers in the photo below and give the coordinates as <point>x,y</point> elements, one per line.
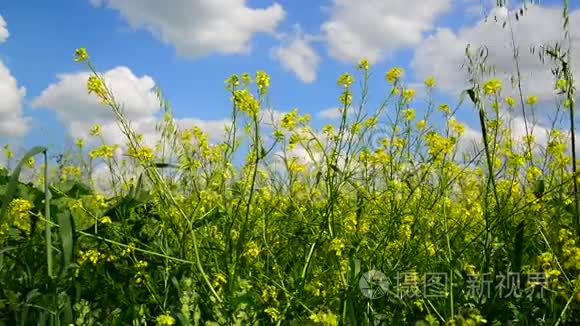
<point>383,219</point>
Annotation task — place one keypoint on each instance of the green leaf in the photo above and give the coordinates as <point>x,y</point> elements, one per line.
<point>66,231</point>
<point>539,188</point>
<point>162,165</point>
<point>518,247</point>
<point>471,93</point>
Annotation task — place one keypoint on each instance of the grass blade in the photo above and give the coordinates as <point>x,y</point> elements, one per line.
<point>66,231</point>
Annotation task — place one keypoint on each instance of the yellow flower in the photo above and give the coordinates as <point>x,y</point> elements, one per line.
<point>561,84</point>
<point>532,100</point>
<point>289,120</point>
<point>431,250</point>
<point>459,128</point>
<point>345,98</point>
<point>363,65</point>
<point>408,94</point>
<point>165,320</point>
<point>324,318</point>
<point>510,101</point>
<point>445,108</point>
<point>246,102</point>
<point>143,153</point>
<point>263,81</point>
<point>273,313</point>
<point>337,245</point>
<point>105,220</point>
<point>328,129</point>
<point>30,163</point>
<point>345,80</point>
<point>219,279</point>
<point>430,81</point>
<point>421,124</point>
<point>394,74</point>
<point>370,122</point>
<point>96,130</point>
<point>409,114</point>
<point>492,86</point>
<point>246,79</point>
<point>81,55</point>
<point>278,134</point>
<point>103,151</point>
<point>19,212</point>
<point>96,85</point>
<point>231,82</point>
<point>80,142</point>
<point>253,250</point>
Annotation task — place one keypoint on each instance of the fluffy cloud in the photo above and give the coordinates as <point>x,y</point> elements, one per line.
<point>299,57</point>
<point>12,123</point>
<point>3,30</point>
<point>331,113</point>
<point>199,27</point>
<point>443,53</point>
<point>78,110</point>
<point>387,25</point>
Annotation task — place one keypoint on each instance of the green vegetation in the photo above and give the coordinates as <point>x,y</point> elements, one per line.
<point>281,239</point>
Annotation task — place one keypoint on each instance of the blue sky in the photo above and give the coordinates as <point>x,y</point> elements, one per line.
<point>190,48</point>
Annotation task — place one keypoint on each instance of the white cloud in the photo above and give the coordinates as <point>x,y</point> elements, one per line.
<point>299,57</point>
<point>78,110</point>
<point>3,30</point>
<point>374,29</point>
<point>331,113</point>
<point>200,27</point>
<point>443,53</point>
<point>12,123</point>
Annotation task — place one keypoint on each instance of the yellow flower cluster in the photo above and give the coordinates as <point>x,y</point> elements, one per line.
<point>430,82</point>
<point>70,172</point>
<point>549,265</point>
<point>93,256</point>
<point>325,318</point>
<point>408,94</point>
<point>363,65</point>
<point>570,250</point>
<point>246,102</point>
<point>81,55</point>
<point>97,86</point>
<point>337,245</point>
<point>143,153</point>
<point>394,74</point>
<point>273,313</point>
<point>345,80</point>
<point>439,144</point>
<point>95,130</point>
<point>165,320</point>
<point>492,86</point>
<point>19,213</point>
<point>263,82</point>
<point>104,151</point>
<point>253,250</point>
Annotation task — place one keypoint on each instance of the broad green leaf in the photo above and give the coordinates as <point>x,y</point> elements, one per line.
<point>66,231</point>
